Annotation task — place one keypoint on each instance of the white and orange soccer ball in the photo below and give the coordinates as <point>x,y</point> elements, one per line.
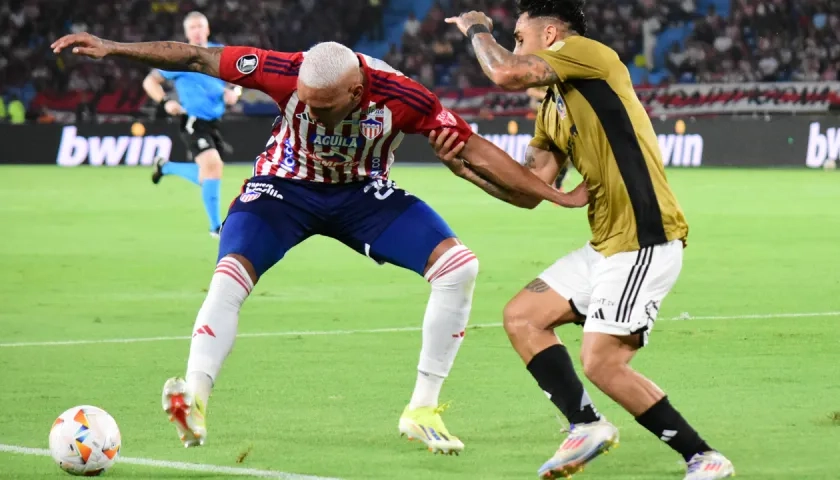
<point>85,440</point>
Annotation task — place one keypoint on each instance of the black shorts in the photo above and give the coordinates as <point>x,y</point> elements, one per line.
<point>201,135</point>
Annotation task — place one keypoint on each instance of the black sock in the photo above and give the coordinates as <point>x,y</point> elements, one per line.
<point>555,374</point>
<point>665,422</point>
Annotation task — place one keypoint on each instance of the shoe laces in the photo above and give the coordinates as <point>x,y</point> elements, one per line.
<point>442,407</point>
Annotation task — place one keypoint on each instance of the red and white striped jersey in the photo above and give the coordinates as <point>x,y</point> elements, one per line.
<point>363,145</point>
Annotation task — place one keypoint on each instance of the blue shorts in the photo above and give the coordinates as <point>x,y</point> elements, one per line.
<point>374,218</point>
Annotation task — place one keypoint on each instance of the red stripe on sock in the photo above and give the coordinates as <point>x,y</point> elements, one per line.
<point>452,268</point>
<point>231,268</point>
<point>226,270</point>
<point>208,331</point>
<point>454,258</point>
<point>234,266</point>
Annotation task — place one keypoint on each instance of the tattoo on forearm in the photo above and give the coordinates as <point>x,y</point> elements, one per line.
<point>528,70</point>
<point>174,56</point>
<point>490,188</point>
<point>490,54</point>
<point>537,286</point>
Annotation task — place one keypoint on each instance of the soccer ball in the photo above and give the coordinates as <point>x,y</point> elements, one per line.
<point>85,440</point>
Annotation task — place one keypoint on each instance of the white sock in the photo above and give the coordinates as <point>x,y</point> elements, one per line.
<point>453,280</point>
<point>215,326</point>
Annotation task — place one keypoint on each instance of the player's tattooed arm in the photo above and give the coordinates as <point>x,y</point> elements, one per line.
<point>173,56</point>
<point>509,71</point>
<point>517,200</point>
<point>491,169</point>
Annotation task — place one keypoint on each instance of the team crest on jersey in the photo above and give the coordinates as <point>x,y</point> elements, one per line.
<point>561,107</point>
<point>372,126</point>
<point>249,197</point>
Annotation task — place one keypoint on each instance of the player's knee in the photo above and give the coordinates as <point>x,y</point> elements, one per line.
<point>597,367</point>
<point>459,268</point>
<point>210,164</point>
<point>245,264</point>
<point>517,318</point>
<point>211,170</point>
<point>232,282</point>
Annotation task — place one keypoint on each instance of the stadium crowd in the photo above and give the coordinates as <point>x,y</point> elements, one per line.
<point>760,40</point>
<point>765,41</point>
<point>27,27</point>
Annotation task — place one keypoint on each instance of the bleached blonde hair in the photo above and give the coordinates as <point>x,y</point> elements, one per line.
<point>195,14</point>
<point>326,64</point>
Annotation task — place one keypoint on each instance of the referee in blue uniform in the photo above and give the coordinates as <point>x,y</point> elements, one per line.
<point>201,104</point>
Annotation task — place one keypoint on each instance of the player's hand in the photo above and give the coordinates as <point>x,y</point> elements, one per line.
<point>579,197</point>
<point>174,108</point>
<point>232,95</point>
<point>468,19</point>
<point>84,44</point>
<point>447,150</point>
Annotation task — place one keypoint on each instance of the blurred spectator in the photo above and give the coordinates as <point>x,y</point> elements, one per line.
<point>16,111</point>
<point>27,27</point>
<point>765,40</point>
<point>412,25</point>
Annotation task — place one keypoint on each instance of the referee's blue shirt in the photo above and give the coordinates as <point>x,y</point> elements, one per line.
<point>202,96</point>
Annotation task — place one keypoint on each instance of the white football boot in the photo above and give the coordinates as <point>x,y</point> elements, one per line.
<point>585,442</point>
<point>709,466</point>
<point>185,411</point>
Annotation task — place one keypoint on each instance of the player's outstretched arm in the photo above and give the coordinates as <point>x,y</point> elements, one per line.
<point>448,152</point>
<point>492,170</point>
<point>509,71</point>
<point>173,56</point>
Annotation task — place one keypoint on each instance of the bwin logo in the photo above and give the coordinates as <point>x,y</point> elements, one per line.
<point>74,150</point>
<point>681,150</point>
<point>822,146</point>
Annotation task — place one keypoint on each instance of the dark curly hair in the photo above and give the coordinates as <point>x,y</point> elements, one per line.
<point>567,10</point>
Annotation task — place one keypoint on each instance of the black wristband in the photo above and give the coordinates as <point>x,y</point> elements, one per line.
<point>164,100</point>
<point>476,29</point>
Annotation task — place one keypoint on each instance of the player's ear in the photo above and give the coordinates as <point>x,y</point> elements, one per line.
<point>356,91</point>
<point>550,34</point>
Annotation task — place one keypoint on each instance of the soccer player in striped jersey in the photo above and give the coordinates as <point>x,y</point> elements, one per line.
<point>325,172</point>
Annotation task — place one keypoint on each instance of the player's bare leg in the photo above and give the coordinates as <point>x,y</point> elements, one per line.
<point>606,362</point>
<point>529,320</point>
<point>210,168</point>
<point>185,400</point>
<point>451,270</point>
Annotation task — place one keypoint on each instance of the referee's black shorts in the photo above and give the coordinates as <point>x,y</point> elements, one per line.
<point>201,135</point>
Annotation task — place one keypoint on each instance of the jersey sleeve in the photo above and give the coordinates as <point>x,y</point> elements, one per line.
<point>274,73</point>
<point>577,57</point>
<point>424,114</point>
<point>541,139</point>
<point>168,75</point>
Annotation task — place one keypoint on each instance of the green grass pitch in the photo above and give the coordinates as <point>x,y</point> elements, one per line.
<point>103,254</point>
